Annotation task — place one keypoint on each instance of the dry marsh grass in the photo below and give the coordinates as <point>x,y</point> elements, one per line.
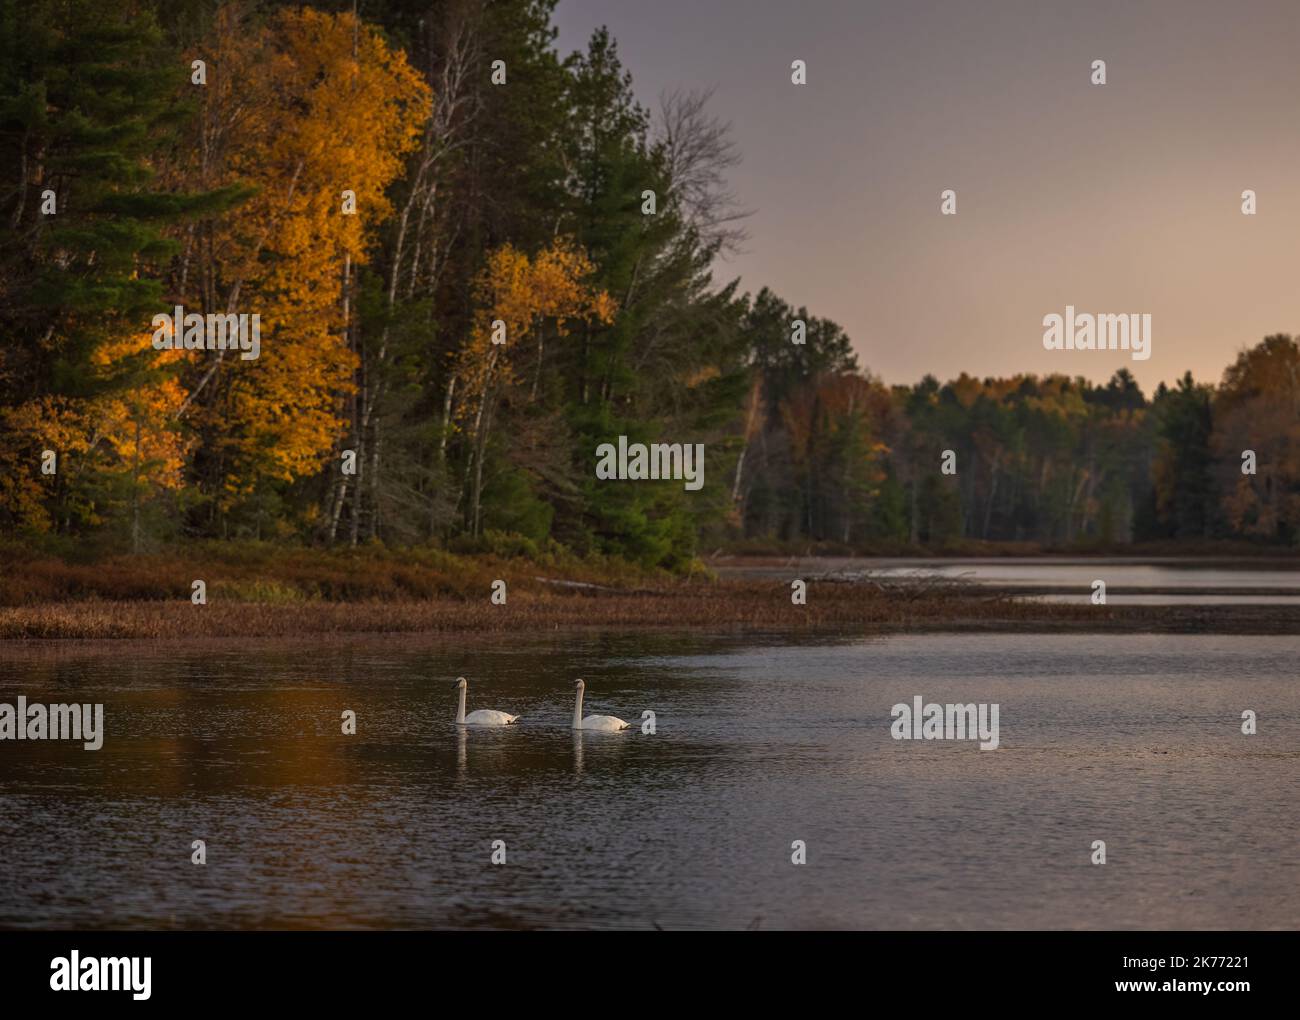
<point>724,606</point>
<point>747,605</point>
<point>273,592</point>
<point>259,572</point>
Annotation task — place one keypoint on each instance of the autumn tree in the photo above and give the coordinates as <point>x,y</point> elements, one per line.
<point>1257,409</point>
<point>90,96</point>
<point>521,300</point>
<point>315,113</point>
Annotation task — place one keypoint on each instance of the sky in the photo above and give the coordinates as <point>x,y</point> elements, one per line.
<point>1116,198</point>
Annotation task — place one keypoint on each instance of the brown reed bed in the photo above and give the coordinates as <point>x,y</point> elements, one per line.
<point>728,606</point>
<point>262,590</point>
<point>261,572</point>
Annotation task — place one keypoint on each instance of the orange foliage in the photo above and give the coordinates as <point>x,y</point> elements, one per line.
<point>1258,408</point>
<point>524,294</point>
<point>323,106</point>
<point>127,430</point>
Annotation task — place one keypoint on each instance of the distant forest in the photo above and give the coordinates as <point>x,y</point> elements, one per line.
<point>195,154</point>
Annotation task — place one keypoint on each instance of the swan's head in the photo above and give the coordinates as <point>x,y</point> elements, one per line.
<point>460,683</point>
<point>580,685</point>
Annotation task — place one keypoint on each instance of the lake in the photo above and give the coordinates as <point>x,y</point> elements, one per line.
<point>1131,739</point>
<point>1170,581</point>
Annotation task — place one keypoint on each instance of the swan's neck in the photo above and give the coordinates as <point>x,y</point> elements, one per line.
<point>577,711</point>
<point>460,709</point>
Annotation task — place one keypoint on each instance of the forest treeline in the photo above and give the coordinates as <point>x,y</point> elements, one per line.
<point>396,194</point>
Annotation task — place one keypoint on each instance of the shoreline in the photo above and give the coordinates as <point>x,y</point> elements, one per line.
<point>263,591</point>
<point>728,607</point>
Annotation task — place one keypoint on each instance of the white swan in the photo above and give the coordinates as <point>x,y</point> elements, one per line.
<point>484,716</point>
<point>609,723</point>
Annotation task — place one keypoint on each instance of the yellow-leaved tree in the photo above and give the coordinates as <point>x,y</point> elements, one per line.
<point>317,113</point>
<point>519,300</point>
<point>115,450</point>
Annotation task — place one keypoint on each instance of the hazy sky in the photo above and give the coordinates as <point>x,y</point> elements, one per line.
<point>1115,199</point>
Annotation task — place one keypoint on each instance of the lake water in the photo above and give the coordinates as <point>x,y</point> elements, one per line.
<point>1263,581</point>
<point>1130,739</point>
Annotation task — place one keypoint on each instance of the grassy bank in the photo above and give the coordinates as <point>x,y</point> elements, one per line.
<point>724,606</point>
<point>270,574</point>
<point>268,591</point>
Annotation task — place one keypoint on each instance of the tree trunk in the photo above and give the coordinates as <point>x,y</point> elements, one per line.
<point>135,493</point>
